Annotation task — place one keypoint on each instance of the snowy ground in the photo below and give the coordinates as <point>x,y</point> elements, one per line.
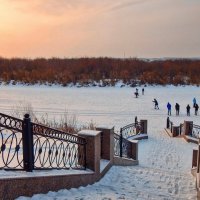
<point>165,163</point>
<point>163,173</point>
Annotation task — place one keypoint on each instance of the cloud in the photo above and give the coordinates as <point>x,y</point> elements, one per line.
<point>60,7</point>
<point>125,4</point>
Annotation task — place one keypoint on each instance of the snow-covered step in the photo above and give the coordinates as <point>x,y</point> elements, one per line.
<point>131,183</point>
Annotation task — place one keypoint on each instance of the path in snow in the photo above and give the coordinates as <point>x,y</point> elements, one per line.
<point>165,163</point>
<point>163,173</point>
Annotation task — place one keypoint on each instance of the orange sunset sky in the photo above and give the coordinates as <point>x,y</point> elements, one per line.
<point>113,28</point>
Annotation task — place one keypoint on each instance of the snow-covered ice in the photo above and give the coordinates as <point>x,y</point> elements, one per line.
<point>164,163</point>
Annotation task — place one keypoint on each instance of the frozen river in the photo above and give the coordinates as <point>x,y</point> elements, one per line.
<point>164,163</point>
<point>104,106</point>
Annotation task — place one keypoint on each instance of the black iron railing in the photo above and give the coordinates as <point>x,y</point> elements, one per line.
<point>181,131</point>
<point>131,130</point>
<point>56,149</point>
<point>11,152</point>
<point>195,131</point>
<point>169,124</point>
<point>25,145</point>
<point>122,146</point>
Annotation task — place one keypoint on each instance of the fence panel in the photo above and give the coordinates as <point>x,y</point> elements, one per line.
<point>26,146</point>
<point>130,130</point>
<point>195,131</point>
<point>11,147</point>
<point>56,149</point>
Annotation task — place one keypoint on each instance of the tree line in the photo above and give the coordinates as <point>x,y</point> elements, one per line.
<point>108,71</point>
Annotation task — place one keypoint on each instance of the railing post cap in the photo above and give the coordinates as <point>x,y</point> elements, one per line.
<point>89,133</point>
<point>26,115</point>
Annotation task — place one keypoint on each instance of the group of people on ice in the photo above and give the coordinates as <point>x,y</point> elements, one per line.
<point>177,108</point>
<point>137,93</point>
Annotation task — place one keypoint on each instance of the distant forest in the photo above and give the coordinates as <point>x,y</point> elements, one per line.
<point>99,71</point>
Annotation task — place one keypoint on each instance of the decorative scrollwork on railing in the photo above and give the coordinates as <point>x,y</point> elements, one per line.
<point>50,132</point>
<point>56,149</point>
<point>11,122</point>
<point>126,148</point>
<point>130,130</point>
<point>11,152</point>
<point>195,131</point>
<point>122,146</point>
<point>25,145</point>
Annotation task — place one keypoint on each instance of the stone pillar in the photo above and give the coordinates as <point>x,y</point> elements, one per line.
<point>134,149</point>
<point>107,142</point>
<point>187,127</point>
<point>93,149</point>
<point>175,131</point>
<point>194,157</point>
<point>198,159</point>
<point>143,126</point>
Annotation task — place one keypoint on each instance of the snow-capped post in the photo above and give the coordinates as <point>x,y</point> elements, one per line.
<point>93,149</point>
<point>107,142</point>
<point>27,140</point>
<point>187,127</point>
<point>168,122</point>
<point>143,124</point>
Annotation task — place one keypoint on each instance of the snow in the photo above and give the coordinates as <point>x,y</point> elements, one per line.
<point>164,162</point>
<point>54,172</point>
<point>137,137</point>
<point>103,164</point>
<point>88,132</point>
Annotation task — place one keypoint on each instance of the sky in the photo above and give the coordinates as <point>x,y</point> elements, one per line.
<point>93,28</point>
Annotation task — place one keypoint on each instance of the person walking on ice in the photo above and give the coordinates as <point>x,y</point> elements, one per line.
<point>136,93</point>
<point>194,102</point>
<point>169,108</point>
<point>155,104</point>
<point>196,108</point>
<point>177,108</point>
<point>142,91</point>
<point>188,110</point>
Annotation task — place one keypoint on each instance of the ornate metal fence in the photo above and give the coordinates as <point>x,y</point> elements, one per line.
<point>181,129</point>
<point>130,130</point>
<point>169,124</point>
<point>122,146</point>
<point>195,131</point>
<point>27,146</point>
<point>11,147</point>
<point>56,149</point>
